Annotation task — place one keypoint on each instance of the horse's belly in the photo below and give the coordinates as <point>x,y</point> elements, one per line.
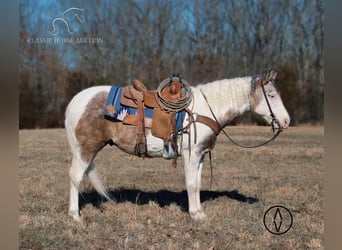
<point>154,146</point>
<point>125,138</point>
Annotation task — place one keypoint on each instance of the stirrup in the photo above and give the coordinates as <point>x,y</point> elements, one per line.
<point>168,151</point>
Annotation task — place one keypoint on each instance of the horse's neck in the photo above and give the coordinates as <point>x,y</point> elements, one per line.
<point>228,98</point>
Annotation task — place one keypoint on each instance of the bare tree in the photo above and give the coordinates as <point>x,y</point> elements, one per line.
<point>151,39</point>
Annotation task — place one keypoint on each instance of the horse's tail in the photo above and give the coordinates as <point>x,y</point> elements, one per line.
<point>97,183</point>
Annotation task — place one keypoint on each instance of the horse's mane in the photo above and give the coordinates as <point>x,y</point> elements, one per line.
<point>224,90</point>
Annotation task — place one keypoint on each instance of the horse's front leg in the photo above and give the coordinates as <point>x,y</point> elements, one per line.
<point>193,172</point>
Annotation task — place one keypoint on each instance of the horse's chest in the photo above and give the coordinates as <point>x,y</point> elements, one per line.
<point>207,142</point>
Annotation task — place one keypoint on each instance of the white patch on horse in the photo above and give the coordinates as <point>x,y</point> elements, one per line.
<point>233,96</point>
<point>154,146</point>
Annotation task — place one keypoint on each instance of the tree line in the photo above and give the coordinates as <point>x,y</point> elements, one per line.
<point>151,39</point>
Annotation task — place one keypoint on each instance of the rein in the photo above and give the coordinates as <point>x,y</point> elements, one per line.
<point>274,120</point>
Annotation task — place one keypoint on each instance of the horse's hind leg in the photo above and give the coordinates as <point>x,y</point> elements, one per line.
<point>79,167</point>
<point>76,173</point>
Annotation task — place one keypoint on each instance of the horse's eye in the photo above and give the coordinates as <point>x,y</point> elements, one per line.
<point>271,95</point>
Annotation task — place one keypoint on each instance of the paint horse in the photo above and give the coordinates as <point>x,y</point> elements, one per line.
<point>219,101</point>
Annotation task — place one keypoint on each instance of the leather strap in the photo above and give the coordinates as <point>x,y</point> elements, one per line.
<point>209,122</point>
<point>141,138</point>
<point>174,139</point>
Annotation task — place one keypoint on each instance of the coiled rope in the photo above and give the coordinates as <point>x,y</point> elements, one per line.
<point>174,106</point>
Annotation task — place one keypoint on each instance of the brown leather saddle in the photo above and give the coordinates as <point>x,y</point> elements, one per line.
<point>163,122</point>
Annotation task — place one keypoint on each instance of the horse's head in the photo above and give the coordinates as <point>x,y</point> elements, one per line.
<point>77,13</point>
<point>266,101</point>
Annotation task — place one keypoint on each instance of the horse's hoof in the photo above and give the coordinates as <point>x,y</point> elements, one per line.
<point>198,215</point>
<point>75,215</point>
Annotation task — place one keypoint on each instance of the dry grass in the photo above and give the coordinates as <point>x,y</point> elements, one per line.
<point>150,212</point>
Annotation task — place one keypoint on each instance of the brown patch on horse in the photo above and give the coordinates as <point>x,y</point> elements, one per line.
<point>88,131</point>
<point>256,96</point>
<point>227,118</point>
<point>93,131</point>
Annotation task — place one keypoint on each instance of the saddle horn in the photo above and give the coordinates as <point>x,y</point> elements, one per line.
<point>175,76</point>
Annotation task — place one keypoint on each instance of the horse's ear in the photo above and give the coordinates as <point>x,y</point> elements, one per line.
<point>269,75</point>
<point>272,74</point>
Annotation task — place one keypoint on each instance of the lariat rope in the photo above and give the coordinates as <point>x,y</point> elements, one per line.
<point>171,106</point>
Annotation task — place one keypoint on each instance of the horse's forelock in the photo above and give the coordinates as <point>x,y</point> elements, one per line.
<point>267,77</point>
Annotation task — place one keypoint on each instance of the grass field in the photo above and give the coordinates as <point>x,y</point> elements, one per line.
<point>151,202</point>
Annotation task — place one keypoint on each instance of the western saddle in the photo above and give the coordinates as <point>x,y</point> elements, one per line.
<point>171,96</point>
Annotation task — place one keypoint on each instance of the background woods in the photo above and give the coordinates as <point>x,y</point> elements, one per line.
<point>151,39</point>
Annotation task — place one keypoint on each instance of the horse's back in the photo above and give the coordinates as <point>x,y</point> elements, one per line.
<point>82,98</point>
<point>79,102</point>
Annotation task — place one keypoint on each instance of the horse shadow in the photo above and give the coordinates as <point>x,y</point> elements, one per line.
<point>162,197</point>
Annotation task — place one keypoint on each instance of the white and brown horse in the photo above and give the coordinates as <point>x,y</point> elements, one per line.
<point>88,131</point>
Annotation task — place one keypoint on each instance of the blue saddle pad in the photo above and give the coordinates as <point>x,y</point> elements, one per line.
<point>113,99</point>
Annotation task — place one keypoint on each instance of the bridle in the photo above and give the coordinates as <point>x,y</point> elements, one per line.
<point>274,119</point>
<point>273,122</point>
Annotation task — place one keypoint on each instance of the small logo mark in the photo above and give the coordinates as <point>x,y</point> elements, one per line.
<point>278,220</point>
<point>64,21</point>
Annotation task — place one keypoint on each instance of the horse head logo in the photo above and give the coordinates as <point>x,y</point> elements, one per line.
<point>78,14</point>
